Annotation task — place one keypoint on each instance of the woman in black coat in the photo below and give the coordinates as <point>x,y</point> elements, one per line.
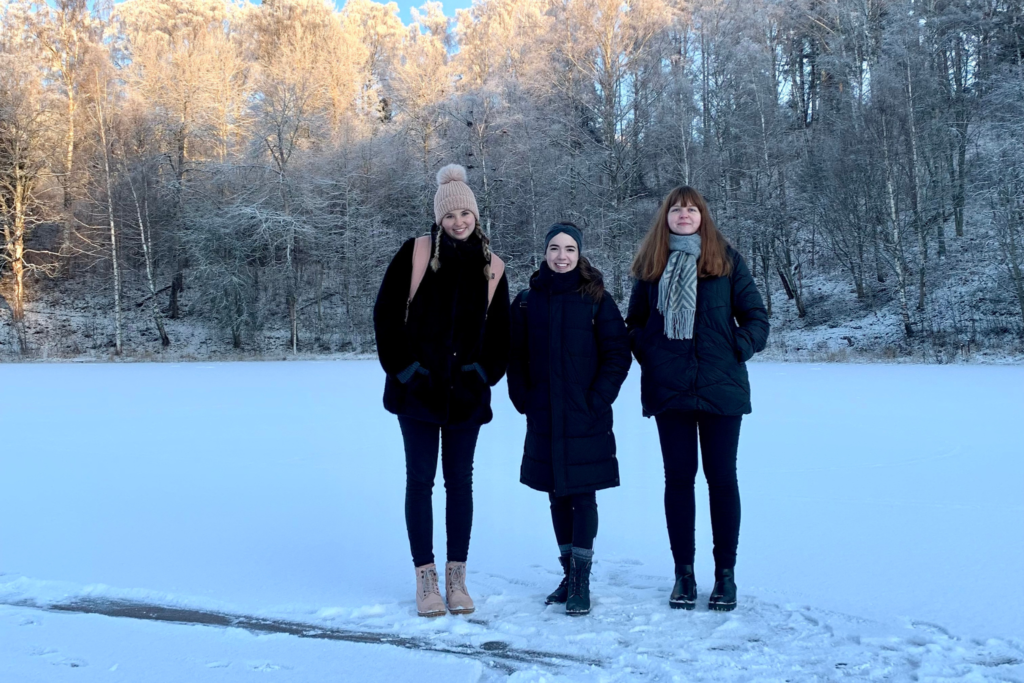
<point>570,355</point>
<point>442,337</point>
<point>695,317</point>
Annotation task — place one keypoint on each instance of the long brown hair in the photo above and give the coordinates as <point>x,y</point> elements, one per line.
<point>591,279</point>
<point>652,257</point>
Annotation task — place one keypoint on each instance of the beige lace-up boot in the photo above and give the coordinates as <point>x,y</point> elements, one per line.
<point>428,595</point>
<point>455,591</point>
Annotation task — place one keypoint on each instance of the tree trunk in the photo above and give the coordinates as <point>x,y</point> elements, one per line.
<point>897,235</point>
<point>178,280</point>
<point>16,243</point>
<point>961,125</point>
<point>792,269</point>
<point>158,319</point>
<point>293,278</point>
<point>177,285</point>
<point>766,265</point>
<point>66,185</point>
<point>875,239</point>
<point>915,177</point>
<point>959,190</point>
<point>118,341</point>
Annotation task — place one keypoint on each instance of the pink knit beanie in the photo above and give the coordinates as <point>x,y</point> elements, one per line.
<point>453,193</point>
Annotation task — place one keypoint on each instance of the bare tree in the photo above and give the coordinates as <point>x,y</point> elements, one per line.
<point>274,156</point>
<point>100,108</point>
<point>24,129</point>
<point>70,34</point>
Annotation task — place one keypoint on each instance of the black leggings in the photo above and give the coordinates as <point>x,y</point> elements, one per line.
<point>457,444</point>
<point>719,440</point>
<point>575,519</point>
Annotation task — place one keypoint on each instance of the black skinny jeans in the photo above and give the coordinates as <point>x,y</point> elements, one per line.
<point>575,519</point>
<point>719,440</point>
<point>457,445</point>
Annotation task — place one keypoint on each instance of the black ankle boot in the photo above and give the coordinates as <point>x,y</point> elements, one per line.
<point>578,602</point>
<point>684,593</point>
<point>561,594</point>
<point>723,597</point>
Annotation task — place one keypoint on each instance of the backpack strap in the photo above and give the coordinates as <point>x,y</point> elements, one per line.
<point>497,270</point>
<point>420,259</point>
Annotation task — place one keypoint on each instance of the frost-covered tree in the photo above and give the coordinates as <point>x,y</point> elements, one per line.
<point>271,157</point>
<point>26,133</point>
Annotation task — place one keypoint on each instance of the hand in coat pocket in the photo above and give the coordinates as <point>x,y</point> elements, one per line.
<point>636,338</point>
<point>740,349</point>
<point>597,405</point>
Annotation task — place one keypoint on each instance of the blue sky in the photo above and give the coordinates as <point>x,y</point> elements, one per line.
<point>404,5</point>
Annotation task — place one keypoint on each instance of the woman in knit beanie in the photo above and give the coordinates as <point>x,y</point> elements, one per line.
<point>695,317</point>
<point>570,355</point>
<point>442,333</point>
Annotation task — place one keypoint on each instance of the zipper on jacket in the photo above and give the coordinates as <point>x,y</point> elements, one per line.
<point>408,303</point>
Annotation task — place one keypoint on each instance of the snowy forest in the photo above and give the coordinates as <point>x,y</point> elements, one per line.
<point>208,177</point>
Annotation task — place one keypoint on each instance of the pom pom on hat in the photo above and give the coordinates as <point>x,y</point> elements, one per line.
<point>451,173</point>
<point>453,193</point>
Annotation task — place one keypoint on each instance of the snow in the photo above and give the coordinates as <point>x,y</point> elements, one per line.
<point>881,537</point>
<point>966,322</point>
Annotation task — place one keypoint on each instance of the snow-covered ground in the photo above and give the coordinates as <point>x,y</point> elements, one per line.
<point>258,508</point>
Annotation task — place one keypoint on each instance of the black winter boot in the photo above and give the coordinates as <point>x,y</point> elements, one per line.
<point>723,597</point>
<point>684,593</point>
<point>561,594</point>
<point>578,602</point>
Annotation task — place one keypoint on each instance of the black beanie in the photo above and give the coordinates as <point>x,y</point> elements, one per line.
<point>569,229</point>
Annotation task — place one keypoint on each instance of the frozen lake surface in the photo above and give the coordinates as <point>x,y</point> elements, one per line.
<point>882,537</point>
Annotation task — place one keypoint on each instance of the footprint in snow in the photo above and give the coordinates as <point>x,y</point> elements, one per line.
<point>998,661</point>
<point>69,662</point>
<point>933,628</point>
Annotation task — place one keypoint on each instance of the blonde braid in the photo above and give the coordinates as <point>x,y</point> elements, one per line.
<point>435,262</point>
<point>486,242</point>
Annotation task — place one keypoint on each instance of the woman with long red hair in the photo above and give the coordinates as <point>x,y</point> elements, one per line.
<point>695,317</point>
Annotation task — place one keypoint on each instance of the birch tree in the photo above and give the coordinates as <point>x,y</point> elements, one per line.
<point>24,131</point>
<point>69,33</point>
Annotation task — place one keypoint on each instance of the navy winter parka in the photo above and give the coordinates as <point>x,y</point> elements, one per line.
<point>709,372</point>
<point>569,357</point>
<point>460,344</point>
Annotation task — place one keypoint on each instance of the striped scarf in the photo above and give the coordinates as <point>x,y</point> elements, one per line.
<point>677,292</point>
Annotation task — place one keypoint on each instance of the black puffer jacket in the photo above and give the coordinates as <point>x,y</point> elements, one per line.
<point>460,345</point>
<point>708,372</point>
<point>566,366</point>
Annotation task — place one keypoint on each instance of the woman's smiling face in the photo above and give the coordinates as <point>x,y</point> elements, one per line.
<point>459,224</point>
<point>562,254</point>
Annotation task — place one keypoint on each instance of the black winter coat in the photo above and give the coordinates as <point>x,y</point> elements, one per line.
<point>565,370</point>
<point>708,372</point>
<point>460,344</point>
